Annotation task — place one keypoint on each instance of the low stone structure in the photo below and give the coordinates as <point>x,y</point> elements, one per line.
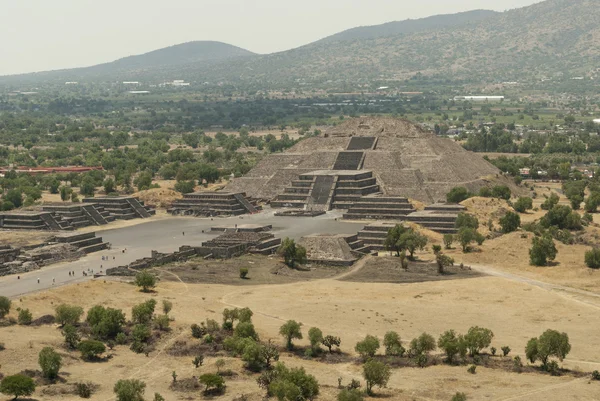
<point>207,204</point>
<point>123,207</point>
<point>333,250</point>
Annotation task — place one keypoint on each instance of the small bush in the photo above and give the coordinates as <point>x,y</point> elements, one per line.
<point>84,390</point>
<point>517,364</point>
<point>198,361</point>
<point>472,369</point>
<point>198,331</point>
<point>448,240</point>
<point>162,322</point>
<point>17,385</point>
<point>5,304</point>
<point>493,351</point>
<point>25,317</point>
<point>595,375</point>
<point>459,397</point>
<point>350,395</point>
<point>243,273</point>
<point>592,258</point>
<point>505,350</point>
<point>121,338</point>
<point>91,349</point>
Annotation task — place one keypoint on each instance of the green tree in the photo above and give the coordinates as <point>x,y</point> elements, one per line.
<point>14,196</point>
<point>466,236</point>
<point>592,202</point>
<point>87,187</point>
<point>5,304</point>
<point>91,349</point>
<point>459,397</point>
<point>143,313</point>
<point>523,204</point>
<point>50,362</point>
<point>501,192</point>
<point>443,261</point>
<point>71,336</point>
<point>393,344</point>
<point>68,314</point>
<point>185,187</point>
<point>291,384</point>
<point>331,341</point>
<point>368,347</point>
<point>17,385</point>
<point>109,186</point>
<point>411,241</point>
<point>145,280</point>
<point>65,193</point>
<point>422,345</point>
<point>247,330</point>
<point>292,253</point>
<point>392,240</point>
<point>510,222</point>
<point>315,336</point>
<point>592,258</point>
<point>130,390</point>
<point>448,240</point>
<point>143,181</point>
<point>105,323</point>
<point>478,338</point>
<point>550,344</point>
<point>212,382</point>
<point>289,331</point>
<point>550,202</point>
<point>452,344</point>
<point>458,194</point>
<point>25,317</point>
<point>466,220</point>
<point>542,250</point>
<point>376,374</point>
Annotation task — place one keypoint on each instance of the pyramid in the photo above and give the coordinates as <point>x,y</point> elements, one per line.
<point>367,157</point>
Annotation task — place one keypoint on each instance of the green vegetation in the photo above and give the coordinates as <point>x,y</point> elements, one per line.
<point>550,344</point>
<point>291,330</point>
<point>17,385</point>
<point>50,362</point>
<point>376,374</point>
<point>510,222</point>
<point>5,305</point>
<point>130,390</point>
<point>368,347</point>
<point>542,251</point>
<point>592,258</point>
<point>68,314</point>
<point>145,280</point>
<point>292,253</point>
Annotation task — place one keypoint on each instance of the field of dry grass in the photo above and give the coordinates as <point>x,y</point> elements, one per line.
<point>514,311</point>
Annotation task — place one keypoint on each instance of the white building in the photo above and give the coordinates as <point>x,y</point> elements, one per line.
<point>480,98</point>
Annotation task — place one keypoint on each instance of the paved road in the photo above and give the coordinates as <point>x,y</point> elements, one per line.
<point>164,235</point>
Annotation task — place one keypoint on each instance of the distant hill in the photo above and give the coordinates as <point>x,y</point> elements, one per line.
<point>435,22</point>
<point>554,38</point>
<point>186,53</point>
<point>199,53</point>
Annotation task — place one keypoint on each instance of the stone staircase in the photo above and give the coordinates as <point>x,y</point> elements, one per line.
<point>94,215</point>
<point>77,215</point>
<point>362,143</point>
<point>373,236</point>
<point>213,204</point>
<point>439,217</point>
<point>86,242</point>
<point>349,161</point>
<point>357,245</point>
<point>122,207</point>
<point>32,220</point>
<point>379,208</point>
<point>327,190</point>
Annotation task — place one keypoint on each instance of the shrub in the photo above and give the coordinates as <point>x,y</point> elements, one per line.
<point>167,306</point>
<point>350,395</point>
<point>247,330</point>
<point>452,344</point>
<point>162,322</point>
<point>562,217</point>
<point>368,347</point>
<point>331,341</point>
<point>459,397</point>
<point>472,369</point>
<point>422,345</point>
<point>17,385</point>
<point>121,338</point>
<point>290,384</point>
<point>91,349</point>
<point>595,375</point>
<point>523,204</point>
<point>505,350</point>
<point>198,361</point>
<point>50,362</point>
<point>315,337</point>
<point>212,382</point>
<point>466,220</point>
<point>493,350</point>
<point>510,222</point>
<point>393,344</point>
<point>292,253</point>
<point>130,390</point>
<point>67,314</point>
<point>106,323</point>
<point>466,236</point>
<point>25,317</point>
<point>71,336</point>
<point>517,364</point>
<point>458,194</point>
<point>145,280</point>
<point>289,331</point>
<point>592,258</point>
<point>376,374</point>
<point>592,202</point>
<point>5,304</point>
<point>142,313</point>
<point>84,390</point>
<point>243,272</point>
<point>448,240</point>
<point>197,331</point>
<point>501,192</point>
<point>550,202</point>
<point>479,238</point>
<point>542,250</point>
<point>140,333</point>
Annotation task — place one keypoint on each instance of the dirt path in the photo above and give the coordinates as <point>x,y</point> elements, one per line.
<point>585,297</point>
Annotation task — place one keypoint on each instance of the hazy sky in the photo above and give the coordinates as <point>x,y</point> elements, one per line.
<point>39,35</point>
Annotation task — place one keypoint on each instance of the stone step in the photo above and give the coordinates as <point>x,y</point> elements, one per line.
<point>373,216</point>
<point>95,247</point>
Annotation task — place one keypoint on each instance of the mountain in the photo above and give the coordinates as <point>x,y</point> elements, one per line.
<point>547,39</point>
<point>186,53</point>
<point>435,22</point>
<point>199,53</point>
<point>552,38</point>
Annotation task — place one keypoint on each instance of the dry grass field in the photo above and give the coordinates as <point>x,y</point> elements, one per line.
<point>514,311</point>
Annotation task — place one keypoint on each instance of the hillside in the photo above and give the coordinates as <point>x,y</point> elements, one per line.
<point>553,38</point>
<point>543,40</point>
<point>410,26</point>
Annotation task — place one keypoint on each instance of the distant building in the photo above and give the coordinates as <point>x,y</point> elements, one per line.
<point>131,83</point>
<point>480,98</point>
<point>71,83</point>
<point>139,92</point>
<point>597,121</point>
